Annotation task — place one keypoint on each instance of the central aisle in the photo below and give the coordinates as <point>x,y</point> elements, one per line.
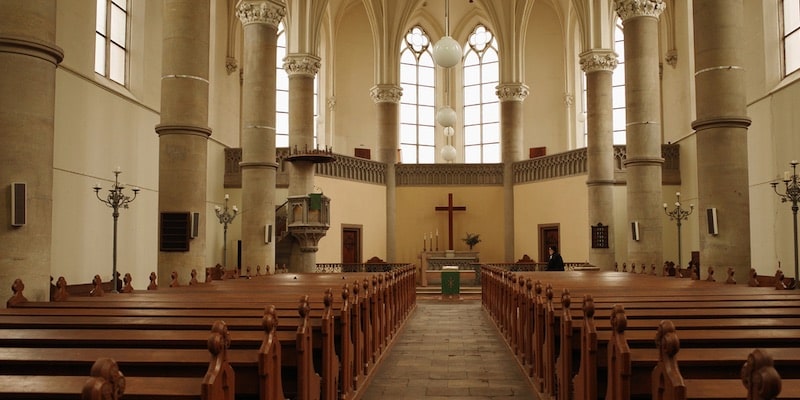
<point>449,350</point>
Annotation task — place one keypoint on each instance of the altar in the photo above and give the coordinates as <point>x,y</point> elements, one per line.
<point>463,262</point>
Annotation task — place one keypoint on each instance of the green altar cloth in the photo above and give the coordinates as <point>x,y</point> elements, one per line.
<point>451,280</point>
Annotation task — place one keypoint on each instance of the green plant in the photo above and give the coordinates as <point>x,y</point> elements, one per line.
<point>472,239</point>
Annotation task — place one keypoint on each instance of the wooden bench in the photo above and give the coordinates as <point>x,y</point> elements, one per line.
<point>181,304</point>
<point>537,344</point>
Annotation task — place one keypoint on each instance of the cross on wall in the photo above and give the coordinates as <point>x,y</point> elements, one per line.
<point>450,208</point>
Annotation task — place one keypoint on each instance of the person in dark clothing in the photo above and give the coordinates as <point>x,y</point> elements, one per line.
<point>555,263</point>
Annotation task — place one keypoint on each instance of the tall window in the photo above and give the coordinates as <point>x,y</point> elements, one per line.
<point>618,87</point>
<point>617,91</point>
<point>111,39</point>
<point>282,94</point>
<point>481,105</point>
<point>417,131</point>
<point>791,35</point>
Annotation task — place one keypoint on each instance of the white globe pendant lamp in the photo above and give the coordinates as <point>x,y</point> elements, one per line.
<point>446,117</point>
<point>448,153</point>
<point>446,52</point>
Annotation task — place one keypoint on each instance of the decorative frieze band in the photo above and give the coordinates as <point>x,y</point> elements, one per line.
<point>386,93</point>
<point>260,12</point>
<point>302,64</point>
<point>639,8</point>
<point>512,91</point>
<point>598,60</point>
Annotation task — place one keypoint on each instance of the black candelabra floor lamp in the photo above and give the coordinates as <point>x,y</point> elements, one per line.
<point>225,218</point>
<point>791,195</point>
<point>115,199</point>
<point>678,214</point>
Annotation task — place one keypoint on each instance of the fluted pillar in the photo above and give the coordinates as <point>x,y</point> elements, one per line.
<point>302,68</point>
<point>511,96</point>
<point>259,167</point>
<point>721,126</point>
<point>183,132</point>
<point>387,100</point>
<point>28,60</point>
<point>643,127</point>
<point>599,66</point>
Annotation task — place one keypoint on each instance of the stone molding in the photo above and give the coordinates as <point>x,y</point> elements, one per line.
<point>671,57</point>
<point>627,9</point>
<point>302,64</point>
<point>449,174</point>
<point>260,12</point>
<point>512,91</point>
<point>331,103</point>
<point>231,65</point>
<point>598,60</point>
<point>31,47</point>
<point>386,93</point>
<point>354,169</point>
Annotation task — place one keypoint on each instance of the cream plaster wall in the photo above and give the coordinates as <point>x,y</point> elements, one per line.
<point>354,203</point>
<point>416,215</point>
<point>559,201</point>
<point>356,113</point>
<point>545,116</point>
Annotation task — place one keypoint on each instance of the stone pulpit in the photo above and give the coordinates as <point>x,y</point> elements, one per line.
<point>308,219</point>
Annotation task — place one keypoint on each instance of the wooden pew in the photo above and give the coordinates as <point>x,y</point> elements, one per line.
<point>382,299</point>
<point>579,385</point>
<point>106,378</point>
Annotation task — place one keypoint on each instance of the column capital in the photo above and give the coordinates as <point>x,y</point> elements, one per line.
<point>386,93</point>
<point>268,12</point>
<point>512,91</point>
<point>598,60</point>
<point>627,9</point>
<point>301,64</point>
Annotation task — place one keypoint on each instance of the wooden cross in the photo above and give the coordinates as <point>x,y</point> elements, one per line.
<point>450,208</point>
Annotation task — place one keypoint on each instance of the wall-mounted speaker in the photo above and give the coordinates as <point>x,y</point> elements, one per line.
<point>268,234</point>
<point>19,213</point>
<point>635,230</point>
<point>713,226</point>
<point>195,231</point>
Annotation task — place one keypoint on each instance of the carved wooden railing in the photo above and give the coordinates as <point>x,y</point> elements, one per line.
<point>569,163</point>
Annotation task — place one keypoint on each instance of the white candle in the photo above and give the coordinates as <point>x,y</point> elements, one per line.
<point>665,205</point>
<point>118,169</point>
<point>678,194</point>
<point>677,204</point>
<point>226,196</point>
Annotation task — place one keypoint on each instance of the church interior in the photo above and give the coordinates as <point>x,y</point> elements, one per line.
<point>297,135</point>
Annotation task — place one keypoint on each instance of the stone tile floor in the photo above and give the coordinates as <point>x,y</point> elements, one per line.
<point>449,350</point>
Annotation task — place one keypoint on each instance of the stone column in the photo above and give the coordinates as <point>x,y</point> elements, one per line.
<point>302,68</point>
<point>643,126</point>
<point>599,66</point>
<point>721,125</point>
<point>387,98</point>
<point>183,132</point>
<point>259,167</point>
<point>511,96</point>
<point>28,61</point>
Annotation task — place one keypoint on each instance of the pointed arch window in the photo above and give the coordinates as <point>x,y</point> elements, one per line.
<point>111,40</point>
<point>282,94</point>
<point>791,36</point>
<point>417,108</point>
<point>481,105</point>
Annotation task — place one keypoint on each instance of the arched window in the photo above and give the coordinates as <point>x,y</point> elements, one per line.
<point>282,95</point>
<point>481,105</point>
<point>111,40</point>
<point>417,78</point>
<point>791,36</point>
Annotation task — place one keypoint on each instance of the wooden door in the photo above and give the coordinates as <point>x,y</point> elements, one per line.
<point>549,235</point>
<point>351,244</point>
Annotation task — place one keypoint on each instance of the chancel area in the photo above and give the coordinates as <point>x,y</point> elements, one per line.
<point>166,143</point>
